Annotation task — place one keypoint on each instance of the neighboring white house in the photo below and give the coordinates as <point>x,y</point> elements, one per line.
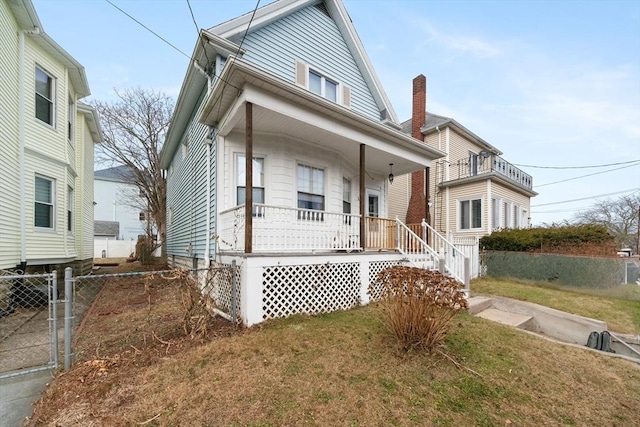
<point>113,202</point>
<point>278,156</point>
<point>47,139</point>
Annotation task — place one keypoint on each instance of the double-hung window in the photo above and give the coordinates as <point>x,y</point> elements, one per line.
<point>346,196</point>
<point>257,182</point>
<point>310,191</point>
<point>516,216</point>
<point>495,213</point>
<point>323,86</point>
<point>44,202</point>
<point>70,114</point>
<point>45,94</point>
<point>470,214</point>
<point>507,215</point>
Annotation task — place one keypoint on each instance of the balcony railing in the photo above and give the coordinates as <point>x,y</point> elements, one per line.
<point>282,229</point>
<point>478,165</point>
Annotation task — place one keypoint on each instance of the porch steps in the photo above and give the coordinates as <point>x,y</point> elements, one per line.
<point>516,320</point>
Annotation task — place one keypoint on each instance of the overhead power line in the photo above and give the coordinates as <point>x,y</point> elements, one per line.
<point>584,176</point>
<point>587,198</point>
<point>577,167</point>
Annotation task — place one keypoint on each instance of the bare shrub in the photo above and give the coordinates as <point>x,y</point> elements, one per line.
<point>418,305</point>
<point>196,313</point>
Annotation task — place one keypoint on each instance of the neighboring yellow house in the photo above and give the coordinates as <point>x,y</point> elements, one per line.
<point>472,190</point>
<point>47,140</point>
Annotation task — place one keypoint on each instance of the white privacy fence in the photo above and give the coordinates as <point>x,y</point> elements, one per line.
<point>113,248</point>
<point>289,230</point>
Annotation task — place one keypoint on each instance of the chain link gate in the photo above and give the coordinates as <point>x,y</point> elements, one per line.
<point>29,327</point>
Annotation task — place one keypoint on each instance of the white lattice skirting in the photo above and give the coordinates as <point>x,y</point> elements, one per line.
<point>284,285</point>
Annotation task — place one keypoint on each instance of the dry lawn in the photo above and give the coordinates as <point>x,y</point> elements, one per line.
<point>337,369</point>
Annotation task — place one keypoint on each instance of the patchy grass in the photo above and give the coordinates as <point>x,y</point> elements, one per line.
<point>620,308</point>
<point>337,369</point>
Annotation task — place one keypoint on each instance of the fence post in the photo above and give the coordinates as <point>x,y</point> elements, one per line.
<point>68,313</point>
<point>54,316</point>
<point>441,265</point>
<point>467,275</point>
<point>234,294</point>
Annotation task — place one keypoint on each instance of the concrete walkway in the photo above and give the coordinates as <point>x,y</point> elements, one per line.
<point>17,395</point>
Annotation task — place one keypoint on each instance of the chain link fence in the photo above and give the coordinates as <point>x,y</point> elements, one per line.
<point>95,315</point>
<point>164,305</point>
<point>28,322</point>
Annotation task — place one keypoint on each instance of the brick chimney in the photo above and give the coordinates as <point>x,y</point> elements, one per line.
<point>416,211</point>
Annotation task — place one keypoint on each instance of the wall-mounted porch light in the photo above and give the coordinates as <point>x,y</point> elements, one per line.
<point>391,173</point>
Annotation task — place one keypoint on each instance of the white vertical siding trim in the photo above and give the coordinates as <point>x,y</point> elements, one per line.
<point>489,216</point>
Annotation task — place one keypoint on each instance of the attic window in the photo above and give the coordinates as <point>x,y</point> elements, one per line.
<point>317,82</point>
<point>322,8</point>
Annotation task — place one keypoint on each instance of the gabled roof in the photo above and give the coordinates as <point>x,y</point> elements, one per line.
<point>106,228</point>
<point>27,19</point>
<point>279,9</point>
<point>436,122</point>
<point>121,173</point>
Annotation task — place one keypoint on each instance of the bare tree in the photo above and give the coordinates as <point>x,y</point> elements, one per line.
<point>620,216</point>
<point>134,128</point>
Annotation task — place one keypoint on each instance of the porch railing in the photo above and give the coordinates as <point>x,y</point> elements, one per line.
<point>418,253</point>
<point>289,229</point>
<point>449,259</point>
<point>479,165</point>
<point>380,233</point>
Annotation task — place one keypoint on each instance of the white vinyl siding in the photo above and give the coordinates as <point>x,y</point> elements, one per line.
<point>45,96</point>
<point>44,202</point>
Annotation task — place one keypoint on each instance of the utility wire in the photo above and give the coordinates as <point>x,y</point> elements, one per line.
<point>193,18</point>
<point>577,167</point>
<point>164,40</point>
<point>150,30</point>
<point>587,198</point>
<point>584,176</point>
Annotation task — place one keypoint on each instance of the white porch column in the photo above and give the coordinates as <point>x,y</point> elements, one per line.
<point>250,293</point>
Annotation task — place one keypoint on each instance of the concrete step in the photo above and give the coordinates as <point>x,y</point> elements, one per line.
<point>521,321</point>
<point>478,304</point>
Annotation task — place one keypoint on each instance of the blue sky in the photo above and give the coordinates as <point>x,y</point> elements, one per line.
<point>549,83</point>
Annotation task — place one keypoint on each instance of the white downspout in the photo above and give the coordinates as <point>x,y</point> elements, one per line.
<point>208,141</point>
<point>21,145</point>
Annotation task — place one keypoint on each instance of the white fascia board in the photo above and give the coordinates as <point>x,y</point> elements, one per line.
<point>263,16</point>
<point>465,132</point>
<point>313,118</point>
<point>337,10</point>
<point>93,121</point>
<point>222,45</point>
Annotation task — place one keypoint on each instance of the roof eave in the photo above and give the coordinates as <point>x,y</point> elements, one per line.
<point>472,136</point>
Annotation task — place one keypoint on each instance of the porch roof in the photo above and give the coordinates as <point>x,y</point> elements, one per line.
<point>283,108</point>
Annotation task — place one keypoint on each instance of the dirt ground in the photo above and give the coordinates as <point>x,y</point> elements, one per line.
<point>132,324</point>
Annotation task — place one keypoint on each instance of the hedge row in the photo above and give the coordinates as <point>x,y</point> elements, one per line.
<point>544,239</point>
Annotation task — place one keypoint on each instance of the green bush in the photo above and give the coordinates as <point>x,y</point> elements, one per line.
<point>547,239</point>
<point>417,305</point>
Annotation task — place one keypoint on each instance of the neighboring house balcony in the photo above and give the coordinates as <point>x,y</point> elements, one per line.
<point>484,164</point>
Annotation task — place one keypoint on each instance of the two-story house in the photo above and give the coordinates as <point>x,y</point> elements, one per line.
<point>47,138</point>
<point>278,158</point>
<point>471,191</point>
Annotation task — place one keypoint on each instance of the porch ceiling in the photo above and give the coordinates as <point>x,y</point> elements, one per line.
<point>281,108</point>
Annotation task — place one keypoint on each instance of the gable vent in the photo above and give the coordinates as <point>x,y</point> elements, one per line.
<point>322,8</point>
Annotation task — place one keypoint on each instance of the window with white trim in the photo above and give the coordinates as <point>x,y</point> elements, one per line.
<point>323,86</point>
<point>507,215</point>
<point>470,214</point>
<point>346,196</point>
<point>70,209</point>
<point>495,213</point>
<point>70,115</point>
<point>310,187</point>
<point>45,94</point>
<point>257,182</point>
<point>44,202</point>
<point>516,216</point>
